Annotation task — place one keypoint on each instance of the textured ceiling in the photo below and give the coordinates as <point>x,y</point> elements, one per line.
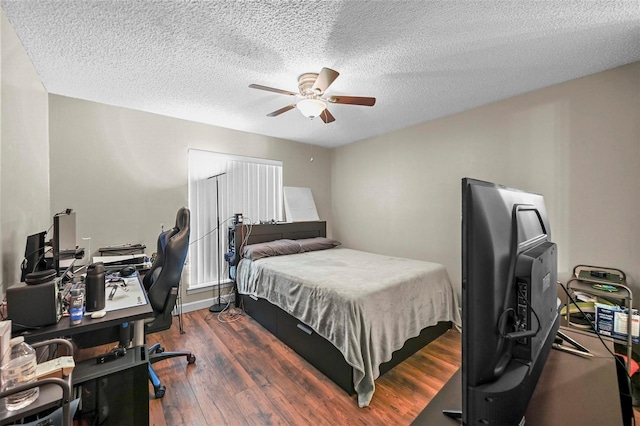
<point>420,59</point>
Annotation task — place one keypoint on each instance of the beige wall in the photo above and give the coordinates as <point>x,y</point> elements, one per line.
<point>577,143</point>
<point>125,172</point>
<point>24,154</point>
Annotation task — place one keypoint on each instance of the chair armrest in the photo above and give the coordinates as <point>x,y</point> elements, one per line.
<point>50,342</point>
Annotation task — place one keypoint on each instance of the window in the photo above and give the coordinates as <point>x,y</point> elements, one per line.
<point>221,185</point>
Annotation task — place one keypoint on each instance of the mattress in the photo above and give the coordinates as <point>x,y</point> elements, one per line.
<point>365,304</point>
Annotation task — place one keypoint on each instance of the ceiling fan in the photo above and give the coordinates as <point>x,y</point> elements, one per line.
<point>312,87</point>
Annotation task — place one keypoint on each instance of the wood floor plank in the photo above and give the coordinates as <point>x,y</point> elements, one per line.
<point>257,409</point>
<point>244,375</point>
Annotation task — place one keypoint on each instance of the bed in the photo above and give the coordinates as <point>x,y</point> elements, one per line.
<point>353,315</point>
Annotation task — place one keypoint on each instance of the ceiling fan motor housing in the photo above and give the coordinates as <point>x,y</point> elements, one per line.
<point>305,84</point>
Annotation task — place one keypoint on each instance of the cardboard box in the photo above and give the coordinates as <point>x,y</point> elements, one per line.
<point>612,321</point>
<point>56,368</point>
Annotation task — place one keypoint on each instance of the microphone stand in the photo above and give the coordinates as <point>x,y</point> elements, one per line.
<point>217,307</point>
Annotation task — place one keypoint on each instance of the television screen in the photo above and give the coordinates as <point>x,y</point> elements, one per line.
<point>510,304</point>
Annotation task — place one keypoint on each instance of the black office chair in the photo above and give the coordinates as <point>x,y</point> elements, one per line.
<point>162,283</point>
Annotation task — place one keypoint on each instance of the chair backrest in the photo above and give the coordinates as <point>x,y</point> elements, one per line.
<point>166,270</point>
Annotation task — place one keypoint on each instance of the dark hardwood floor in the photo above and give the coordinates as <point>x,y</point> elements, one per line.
<point>243,375</point>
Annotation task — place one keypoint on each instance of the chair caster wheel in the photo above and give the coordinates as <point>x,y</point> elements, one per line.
<point>191,359</point>
<point>160,390</point>
<point>159,349</point>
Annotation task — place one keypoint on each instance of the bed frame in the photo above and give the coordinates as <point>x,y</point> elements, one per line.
<point>318,351</point>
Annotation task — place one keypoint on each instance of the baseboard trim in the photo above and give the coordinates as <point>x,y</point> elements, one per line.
<point>204,303</point>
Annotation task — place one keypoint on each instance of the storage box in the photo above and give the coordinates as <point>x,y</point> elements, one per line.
<point>55,368</point>
<point>612,321</point>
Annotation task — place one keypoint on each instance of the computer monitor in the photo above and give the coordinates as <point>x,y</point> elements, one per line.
<point>509,300</point>
<point>64,237</point>
<point>34,255</point>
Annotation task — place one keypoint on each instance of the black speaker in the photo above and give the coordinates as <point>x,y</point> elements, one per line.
<point>94,287</point>
<point>32,306</point>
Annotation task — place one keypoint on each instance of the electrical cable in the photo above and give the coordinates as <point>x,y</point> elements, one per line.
<point>526,301</point>
<point>35,265</point>
<point>245,237</point>
<point>227,315</point>
<point>501,319</point>
<point>233,314</point>
<point>230,315</point>
<point>211,231</point>
<point>47,231</point>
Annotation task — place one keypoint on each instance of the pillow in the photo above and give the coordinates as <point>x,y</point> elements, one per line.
<point>271,248</point>
<point>317,243</point>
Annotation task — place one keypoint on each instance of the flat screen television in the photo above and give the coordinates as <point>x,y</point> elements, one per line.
<point>509,300</point>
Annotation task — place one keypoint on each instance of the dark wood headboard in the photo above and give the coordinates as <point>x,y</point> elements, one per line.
<point>278,231</point>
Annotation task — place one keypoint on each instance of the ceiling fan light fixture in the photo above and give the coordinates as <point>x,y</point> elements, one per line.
<point>310,107</point>
<point>312,87</point>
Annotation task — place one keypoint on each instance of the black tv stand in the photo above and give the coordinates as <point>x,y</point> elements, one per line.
<point>579,350</point>
<point>454,414</point>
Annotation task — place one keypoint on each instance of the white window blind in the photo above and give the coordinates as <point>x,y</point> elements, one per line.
<point>251,186</point>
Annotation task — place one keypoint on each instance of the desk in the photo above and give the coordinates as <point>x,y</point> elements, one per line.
<point>114,379</point>
<point>63,328</point>
<point>113,262</point>
<point>122,249</point>
<point>571,390</point>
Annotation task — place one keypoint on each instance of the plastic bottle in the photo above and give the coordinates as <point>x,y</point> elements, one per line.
<point>19,367</point>
<point>76,306</point>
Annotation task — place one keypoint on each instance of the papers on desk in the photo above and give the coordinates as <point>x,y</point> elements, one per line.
<point>124,293</point>
<point>122,249</point>
<point>137,260</point>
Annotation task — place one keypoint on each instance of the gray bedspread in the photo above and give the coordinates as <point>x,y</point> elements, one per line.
<point>366,304</point>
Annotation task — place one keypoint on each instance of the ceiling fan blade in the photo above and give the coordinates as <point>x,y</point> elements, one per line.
<point>324,80</point>
<point>327,117</point>
<point>352,100</point>
<point>281,110</point>
<point>271,89</point>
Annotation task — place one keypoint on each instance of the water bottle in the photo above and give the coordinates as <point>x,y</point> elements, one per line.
<point>76,306</point>
<point>19,367</point>
<point>95,287</point>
